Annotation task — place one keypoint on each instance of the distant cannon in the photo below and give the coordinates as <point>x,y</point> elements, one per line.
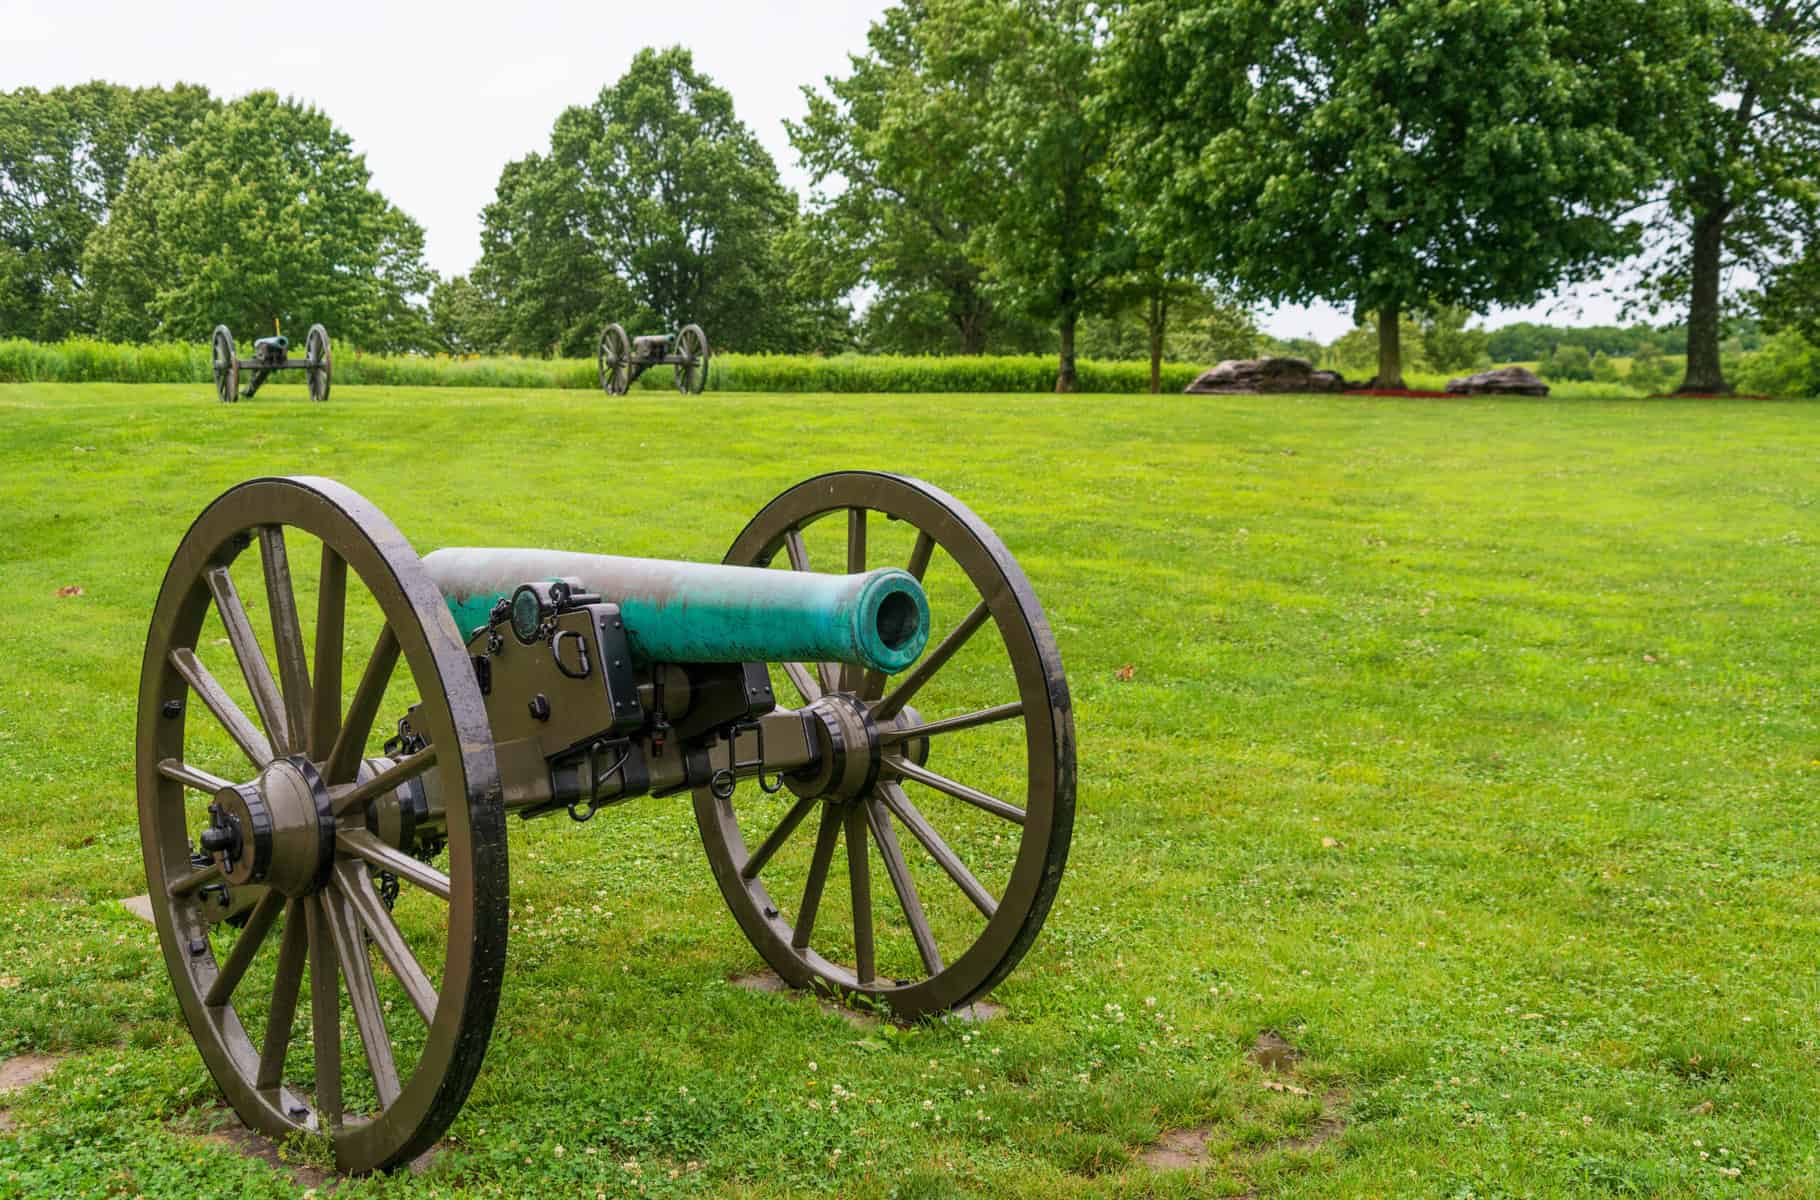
<point>622,360</point>
<point>270,354</point>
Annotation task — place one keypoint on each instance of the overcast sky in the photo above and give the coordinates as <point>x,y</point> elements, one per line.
<point>439,97</point>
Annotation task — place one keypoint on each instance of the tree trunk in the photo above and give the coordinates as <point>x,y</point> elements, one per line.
<point>1704,371</point>
<point>1158,321</point>
<point>1065,380</point>
<point>1390,347</point>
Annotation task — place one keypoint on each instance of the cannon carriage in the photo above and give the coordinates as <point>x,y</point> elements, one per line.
<point>621,360</point>
<point>270,354</point>
<point>867,667</point>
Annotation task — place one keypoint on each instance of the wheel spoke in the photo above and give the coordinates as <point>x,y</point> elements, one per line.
<point>253,668</point>
<point>960,791</point>
<point>818,876</point>
<point>398,774</point>
<point>241,957</point>
<point>932,662</point>
<point>859,881</point>
<point>367,848</point>
<point>287,633</point>
<point>799,561</point>
<point>191,777</point>
<point>293,947</point>
<point>944,857</point>
<point>920,555</point>
<point>778,837</point>
<point>357,885</point>
<point>325,1015</point>
<point>331,626</point>
<point>246,735</point>
<point>853,677</point>
<point>807,685</point>
<point>972,720</point>
<point>351,740</point>
<point>184,885</point>
<point>903,885</point>
<point>363,995</point>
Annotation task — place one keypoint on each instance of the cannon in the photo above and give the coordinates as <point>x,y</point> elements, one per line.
<point>270,354</point>
<point>866,667</point>
<point>621,360</point>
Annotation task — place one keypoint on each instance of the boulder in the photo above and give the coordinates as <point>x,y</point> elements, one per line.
<point>1505,381</point>
<point>1253,376</point>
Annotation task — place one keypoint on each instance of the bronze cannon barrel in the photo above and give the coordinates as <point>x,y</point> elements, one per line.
<point>700,612</point>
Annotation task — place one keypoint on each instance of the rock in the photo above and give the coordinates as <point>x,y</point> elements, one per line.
<point>1505,381</point>
<point>1252,376</point>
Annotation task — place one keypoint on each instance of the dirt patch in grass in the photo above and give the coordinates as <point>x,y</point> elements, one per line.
<point>1186,1149</point>
<point>23,1070</point>
<point>220,1126</point>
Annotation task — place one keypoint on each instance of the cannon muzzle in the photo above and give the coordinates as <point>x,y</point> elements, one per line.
<point>681,612</point>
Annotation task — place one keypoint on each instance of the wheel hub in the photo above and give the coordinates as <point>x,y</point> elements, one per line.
<point>851,750</point>
<point>278,830</point>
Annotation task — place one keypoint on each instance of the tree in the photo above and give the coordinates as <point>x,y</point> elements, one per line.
<point>1448,344</point>
<point>265,216</point>
<point>1029,73</point>
<point>903,194</point>
<point>1567,363</point>
<point>1791,298</point>
<point>1744,181</point>
<point>1464,152</point>
<point>63,161</point>
<point>655,206</point>
<point>463,319</point>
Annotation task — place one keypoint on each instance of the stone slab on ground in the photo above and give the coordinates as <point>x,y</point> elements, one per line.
<point>1505,381</point>
<point>141,907</point>
<point>1259,376</point>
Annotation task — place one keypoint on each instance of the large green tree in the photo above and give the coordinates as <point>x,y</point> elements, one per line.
<point>1745,182</point>
<point>655,205</point>
<point>1028,72</point>
<point>266,215</point>
<point>1393,154</point>
<point>902,193</point>
<point>64,155</point>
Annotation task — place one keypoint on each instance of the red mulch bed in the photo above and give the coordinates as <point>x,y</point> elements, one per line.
<point>1404,392</point>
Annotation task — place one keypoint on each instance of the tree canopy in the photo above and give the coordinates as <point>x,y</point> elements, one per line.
<point>64,155</point>
<point>655,206</point>
<point>265,216</point>
<point>1397,155</point>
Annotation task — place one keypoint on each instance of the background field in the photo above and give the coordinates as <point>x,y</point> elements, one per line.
<point>1471,746</point>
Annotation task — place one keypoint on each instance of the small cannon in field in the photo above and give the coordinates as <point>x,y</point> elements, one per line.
<point>269,354</point>
<point>916,712</point>
<point>621,360</point>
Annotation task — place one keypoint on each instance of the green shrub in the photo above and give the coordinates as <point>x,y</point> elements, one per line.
<point>88,361</point>
<point>1788,365</point>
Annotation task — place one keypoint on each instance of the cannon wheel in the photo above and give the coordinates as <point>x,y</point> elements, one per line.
<point>226,365</point>
<point>444,964</point>
<point>321,360</point>
<point>1006,919</point>
<point>615,361</point>
<point>692,372</point>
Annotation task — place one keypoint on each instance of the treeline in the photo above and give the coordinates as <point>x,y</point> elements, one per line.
<point>997,176</point>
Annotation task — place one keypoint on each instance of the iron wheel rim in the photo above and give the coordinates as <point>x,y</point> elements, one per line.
<point>372,552</point>
<point>1048,809</point>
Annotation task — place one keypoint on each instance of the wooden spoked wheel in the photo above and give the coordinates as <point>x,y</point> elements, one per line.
<point>969,804</point>
<point>614,360</point>
<point>226,365</point>
<point>287,813</point>
<point>317,351</point>
<point>692,372</point>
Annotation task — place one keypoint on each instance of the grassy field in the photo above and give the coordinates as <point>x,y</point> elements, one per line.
<point>1471,747</point>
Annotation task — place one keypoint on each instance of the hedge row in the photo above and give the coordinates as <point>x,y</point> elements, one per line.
<point>86,361</point>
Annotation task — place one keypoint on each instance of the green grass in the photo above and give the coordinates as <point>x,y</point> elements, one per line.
<point>1471,745</point>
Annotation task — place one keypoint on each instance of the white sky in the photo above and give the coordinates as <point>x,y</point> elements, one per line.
<point>440,97</point>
